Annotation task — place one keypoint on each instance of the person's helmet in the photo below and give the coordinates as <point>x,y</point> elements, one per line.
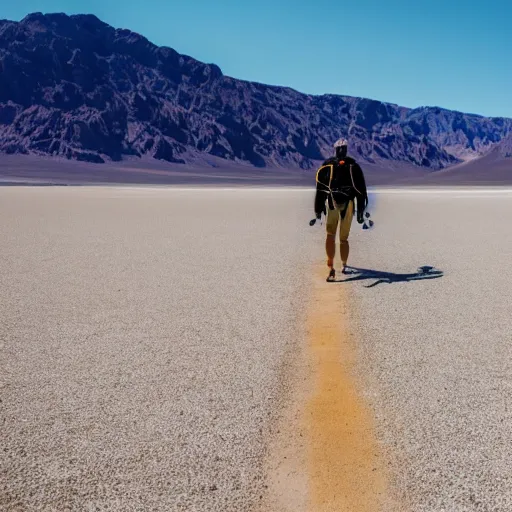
<point>341,143</point>
<point>341,148</point>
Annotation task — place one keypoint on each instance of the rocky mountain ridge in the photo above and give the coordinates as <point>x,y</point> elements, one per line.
<point>74,86</point>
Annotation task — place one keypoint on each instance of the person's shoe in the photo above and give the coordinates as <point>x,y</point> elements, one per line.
<point>332,276</point>
<point>345,270</point>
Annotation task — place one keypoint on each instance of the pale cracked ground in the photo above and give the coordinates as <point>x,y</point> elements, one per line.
<point>173,349</point>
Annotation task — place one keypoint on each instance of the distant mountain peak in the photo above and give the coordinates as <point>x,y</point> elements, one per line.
<point>63,18</point>
<point>74,86</point>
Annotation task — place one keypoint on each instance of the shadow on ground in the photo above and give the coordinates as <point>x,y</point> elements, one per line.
<point>363,274</point>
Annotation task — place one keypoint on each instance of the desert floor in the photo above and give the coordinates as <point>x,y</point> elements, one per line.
<point>179,349</point>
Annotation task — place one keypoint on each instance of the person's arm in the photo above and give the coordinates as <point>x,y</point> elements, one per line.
<point>361,192</point>
<point>320,198</point>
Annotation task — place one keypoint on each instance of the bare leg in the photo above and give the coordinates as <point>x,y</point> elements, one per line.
<point>330,249</point>
<point>344,252</point>
<point>344,233</point>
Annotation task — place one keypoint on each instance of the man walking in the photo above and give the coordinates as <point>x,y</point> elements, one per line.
<point>339,181</point>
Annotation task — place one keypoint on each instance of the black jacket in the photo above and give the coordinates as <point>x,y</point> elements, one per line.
<point>340,181</point>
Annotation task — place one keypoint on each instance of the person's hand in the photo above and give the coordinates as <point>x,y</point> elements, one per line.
<point>318,217</point>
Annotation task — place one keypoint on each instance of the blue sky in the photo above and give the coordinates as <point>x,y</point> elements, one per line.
<point>439,52</point>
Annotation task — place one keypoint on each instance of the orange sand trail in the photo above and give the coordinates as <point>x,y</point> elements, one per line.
<point>344,466</point>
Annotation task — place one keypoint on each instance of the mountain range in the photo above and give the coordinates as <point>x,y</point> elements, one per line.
<point>75,87</point>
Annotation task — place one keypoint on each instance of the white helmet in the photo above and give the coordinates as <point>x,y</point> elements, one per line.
<point>341,143</point>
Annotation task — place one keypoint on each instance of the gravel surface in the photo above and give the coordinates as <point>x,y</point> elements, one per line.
<point>145,334</point>
<point>436,353</point>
